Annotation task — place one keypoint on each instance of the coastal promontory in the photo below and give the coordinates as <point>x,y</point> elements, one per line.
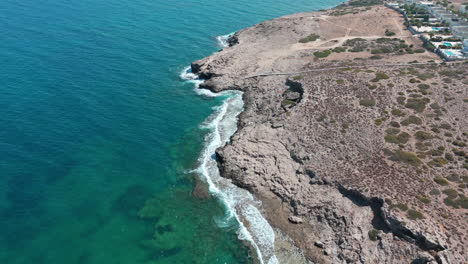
<point>354,136</point>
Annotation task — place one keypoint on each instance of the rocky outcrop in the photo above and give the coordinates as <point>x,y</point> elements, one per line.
<point>314,154</point>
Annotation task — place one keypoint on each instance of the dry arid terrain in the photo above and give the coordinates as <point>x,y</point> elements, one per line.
<point>353,136</point>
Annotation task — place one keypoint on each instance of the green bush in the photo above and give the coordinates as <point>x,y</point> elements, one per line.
<point>459,143</point>
<point>462,201</point>
<point>453,177</point>
<point>449,157</point>
<point>389,33</point>
<point>445,126</point>
<point>435,106</point>
<point>392,131</point>
<point>373,234</point>
<point>424,199</point>
<point>412,120</point>
<point>360,3</point>
<point>339,49</point>
<point>422,135</point>
<point>401,100</point>
<point>438,162</point>
<point>340,81</point>
<point>449,73</point>
<point>458,152</point>
<point>403,137</point>
<point>398,112</point>
<point>451,193</point>
<point>400,206</point>
<point>414,215</point>
<point>436,152</point>
<point>450,202</point>
<point>310,38</point>
<point>406,157</point>
<point>287,102</point>
<point>391,139</point>
<point>441,181</point>
<point>395,124</point>
<point>379,121</point>
<point>380,76</point>
<point>322,54</point>
<point>417,104</point>
<point>367,102</point>
<point>423,86</point>
<point>425,76</point>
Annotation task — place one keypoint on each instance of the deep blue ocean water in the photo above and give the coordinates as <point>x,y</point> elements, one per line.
<point>96,125</point>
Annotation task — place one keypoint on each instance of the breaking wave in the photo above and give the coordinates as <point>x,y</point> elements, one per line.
<point>240,204</point>
<point>223,40</point>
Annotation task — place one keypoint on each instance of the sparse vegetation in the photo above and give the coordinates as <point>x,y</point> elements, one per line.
<point>414,215</point>
<point>401,100</point>
<point>389,33</point>
<point>287,102</point>
<point>380,76</point>
<point>395,124</point>
<point>411,120</point>
<point>441,181</point>
<point>423,86</point>
<point>438,162</point>
<point>417,104</point>
<point>405,157</point>
<point>451,193</point>
<point>367,102</point>
<point>399,206</point>
<point>424,199</point>
<point>322,54</point>
<point>310,38</point>
<point>398,112</point>
<point>403,137</point>
<point>422,135</point>
<point>339,49</point>
<point>373,234</point>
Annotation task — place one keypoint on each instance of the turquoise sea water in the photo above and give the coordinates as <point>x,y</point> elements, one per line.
<point>98,134</point>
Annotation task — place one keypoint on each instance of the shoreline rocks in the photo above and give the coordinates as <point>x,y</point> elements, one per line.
<point>313,150</point>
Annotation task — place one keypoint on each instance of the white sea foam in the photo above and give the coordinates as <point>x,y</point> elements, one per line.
<point>188,76</point>
<point>240,204</point>
<point>223,40</point>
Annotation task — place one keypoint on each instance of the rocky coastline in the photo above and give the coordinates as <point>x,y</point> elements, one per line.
<point>315,147</point>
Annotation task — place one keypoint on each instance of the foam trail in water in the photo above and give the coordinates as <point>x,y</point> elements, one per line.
<point>187,75</point>
<point>240,204</point>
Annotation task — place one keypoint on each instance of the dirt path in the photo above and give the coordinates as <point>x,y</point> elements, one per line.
<point>336,42</point>
<point>338,68</point>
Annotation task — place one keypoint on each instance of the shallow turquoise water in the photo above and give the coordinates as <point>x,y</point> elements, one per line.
<point>96,123</point>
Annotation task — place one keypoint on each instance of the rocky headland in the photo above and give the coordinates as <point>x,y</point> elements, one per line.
<point>353,136</point>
